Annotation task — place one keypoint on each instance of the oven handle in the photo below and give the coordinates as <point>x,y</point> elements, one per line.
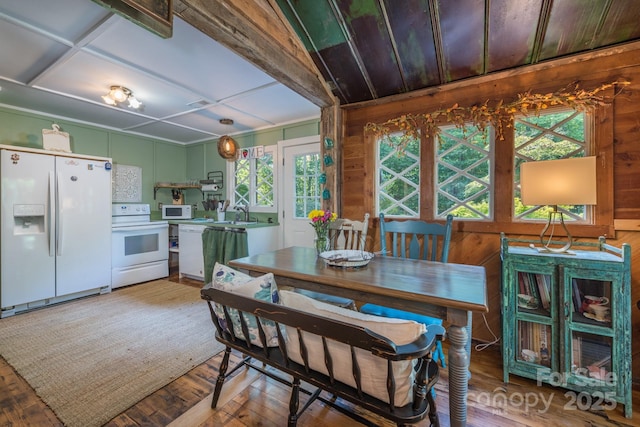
<point>125,229</point>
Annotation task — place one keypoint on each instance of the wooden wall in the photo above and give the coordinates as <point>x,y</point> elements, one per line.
<point>475,248</point>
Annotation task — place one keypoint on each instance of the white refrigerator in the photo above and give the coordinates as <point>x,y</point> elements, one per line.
<point>55,228</point>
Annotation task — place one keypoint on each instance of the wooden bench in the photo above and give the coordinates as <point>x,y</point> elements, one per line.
<point>425,369</point>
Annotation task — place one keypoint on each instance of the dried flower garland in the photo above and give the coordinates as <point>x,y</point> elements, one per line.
<point>482,116</point>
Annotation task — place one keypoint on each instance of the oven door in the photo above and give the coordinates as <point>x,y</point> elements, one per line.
<point>139,244</point>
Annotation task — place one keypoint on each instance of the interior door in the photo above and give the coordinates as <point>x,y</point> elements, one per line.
<point>300,189</point>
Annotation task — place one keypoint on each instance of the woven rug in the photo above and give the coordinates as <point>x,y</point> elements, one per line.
<point>92,359</point>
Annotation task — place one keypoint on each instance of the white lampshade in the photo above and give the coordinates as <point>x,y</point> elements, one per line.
<point>559,182</point>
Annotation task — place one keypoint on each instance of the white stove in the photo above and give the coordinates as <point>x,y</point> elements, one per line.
<point>128,214</point>
<point>140,247</point>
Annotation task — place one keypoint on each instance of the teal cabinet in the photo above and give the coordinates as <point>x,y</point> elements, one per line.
<point>566,320</point>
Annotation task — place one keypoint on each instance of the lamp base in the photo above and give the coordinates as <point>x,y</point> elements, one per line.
<point>555,217</point>
<point>545,249</point>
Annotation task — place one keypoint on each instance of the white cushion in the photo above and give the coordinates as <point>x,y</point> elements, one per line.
<point>372,368</point>
<point>263,288</point>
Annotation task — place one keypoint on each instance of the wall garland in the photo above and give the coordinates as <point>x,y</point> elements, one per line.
<point>499,116</point>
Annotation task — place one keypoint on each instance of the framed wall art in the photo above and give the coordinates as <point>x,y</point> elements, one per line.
<point>126,184</point>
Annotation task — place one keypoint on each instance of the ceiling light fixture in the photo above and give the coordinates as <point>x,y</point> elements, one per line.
<point>226,121</point>
<point>120,94</point>
<point>227,147</point>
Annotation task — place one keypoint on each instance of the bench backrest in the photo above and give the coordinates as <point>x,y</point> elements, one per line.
<point>328,330</point>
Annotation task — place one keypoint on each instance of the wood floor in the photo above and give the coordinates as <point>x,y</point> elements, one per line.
<point>250,399</point>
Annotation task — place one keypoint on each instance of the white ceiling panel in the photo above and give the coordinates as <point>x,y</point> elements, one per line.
<point>68,53</point>
<point>170,132</point>
<point>275,104</point>
<point>68,19</point>
<point>87,76</point>
<point>205,119</point>
<point>189,58</point>
<point>243,119</point>
<point>61,106</point>
<point>24,53</point>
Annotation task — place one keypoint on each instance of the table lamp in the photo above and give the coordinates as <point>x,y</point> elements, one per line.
<point>558,182</point>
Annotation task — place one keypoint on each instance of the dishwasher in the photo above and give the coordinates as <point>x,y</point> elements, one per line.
<point>190,258</point>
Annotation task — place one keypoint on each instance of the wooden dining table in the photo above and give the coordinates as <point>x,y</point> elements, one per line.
<point>445,290</point>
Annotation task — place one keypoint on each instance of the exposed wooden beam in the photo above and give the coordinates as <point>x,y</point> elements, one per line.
<point>257,31</point>
<point>331,127</point>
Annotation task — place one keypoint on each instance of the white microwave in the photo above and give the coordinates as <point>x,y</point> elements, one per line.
<point>177,212</point>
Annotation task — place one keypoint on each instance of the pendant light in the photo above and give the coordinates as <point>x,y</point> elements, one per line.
<point>227,147</point>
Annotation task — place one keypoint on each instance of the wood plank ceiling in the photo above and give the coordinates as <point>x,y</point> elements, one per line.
<point>369,49</point>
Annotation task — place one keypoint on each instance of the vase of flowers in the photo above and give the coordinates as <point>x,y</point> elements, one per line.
<point>320,220</point>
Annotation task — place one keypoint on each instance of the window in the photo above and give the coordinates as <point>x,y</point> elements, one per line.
<point>475,177</point>
<point>398,178</point>
<point>307,171</point>
<point>463,178</point>
<point>253,182</point>
<point>559,134</point>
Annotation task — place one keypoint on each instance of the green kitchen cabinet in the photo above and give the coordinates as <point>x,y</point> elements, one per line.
<point>566,320</point>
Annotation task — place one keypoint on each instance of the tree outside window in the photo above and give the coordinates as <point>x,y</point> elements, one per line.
<point>308,169</point>
<point>463,176</point>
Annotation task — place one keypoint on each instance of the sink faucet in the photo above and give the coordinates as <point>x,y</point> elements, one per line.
<point>244,209</point>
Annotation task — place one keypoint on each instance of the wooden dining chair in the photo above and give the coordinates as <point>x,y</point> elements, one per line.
<point>343,234</point>
<point>415,240</point>
<point>349,234</point>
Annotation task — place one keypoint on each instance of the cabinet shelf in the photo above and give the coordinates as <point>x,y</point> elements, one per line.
<point>557,318</point>
<point>214,180</point>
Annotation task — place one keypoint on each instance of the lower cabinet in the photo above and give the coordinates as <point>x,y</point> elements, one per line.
<point>566,320</point>
<point>262,239</point>
<point>191,260</point>
<point>174,249</point>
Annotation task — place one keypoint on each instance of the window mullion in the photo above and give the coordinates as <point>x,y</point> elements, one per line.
<point>503,155</point>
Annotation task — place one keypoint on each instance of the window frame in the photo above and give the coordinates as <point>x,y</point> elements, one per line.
<point>231,182</point>
<point>490,134</point>
<point>600,127</point>
<point>376,184</point>
<point>588,147</point>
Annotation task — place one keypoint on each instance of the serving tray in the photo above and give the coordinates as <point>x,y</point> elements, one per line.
<point>346,258</point>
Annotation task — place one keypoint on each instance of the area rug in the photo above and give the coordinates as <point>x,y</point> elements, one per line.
<point>93,358</point>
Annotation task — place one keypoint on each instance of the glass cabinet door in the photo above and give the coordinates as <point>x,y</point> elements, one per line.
<point>534,343</point>
<point>534,293</point>
<point>590,301</point>
<point>588,306</point>
<point>591,356</point>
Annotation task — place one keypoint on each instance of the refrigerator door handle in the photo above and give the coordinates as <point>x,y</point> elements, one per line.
<point>50,223</point>
<point>58,216</point>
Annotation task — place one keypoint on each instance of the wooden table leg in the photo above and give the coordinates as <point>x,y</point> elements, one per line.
<point>458,374</point>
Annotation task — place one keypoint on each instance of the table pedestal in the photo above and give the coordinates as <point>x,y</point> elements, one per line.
<point>458,374</point>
